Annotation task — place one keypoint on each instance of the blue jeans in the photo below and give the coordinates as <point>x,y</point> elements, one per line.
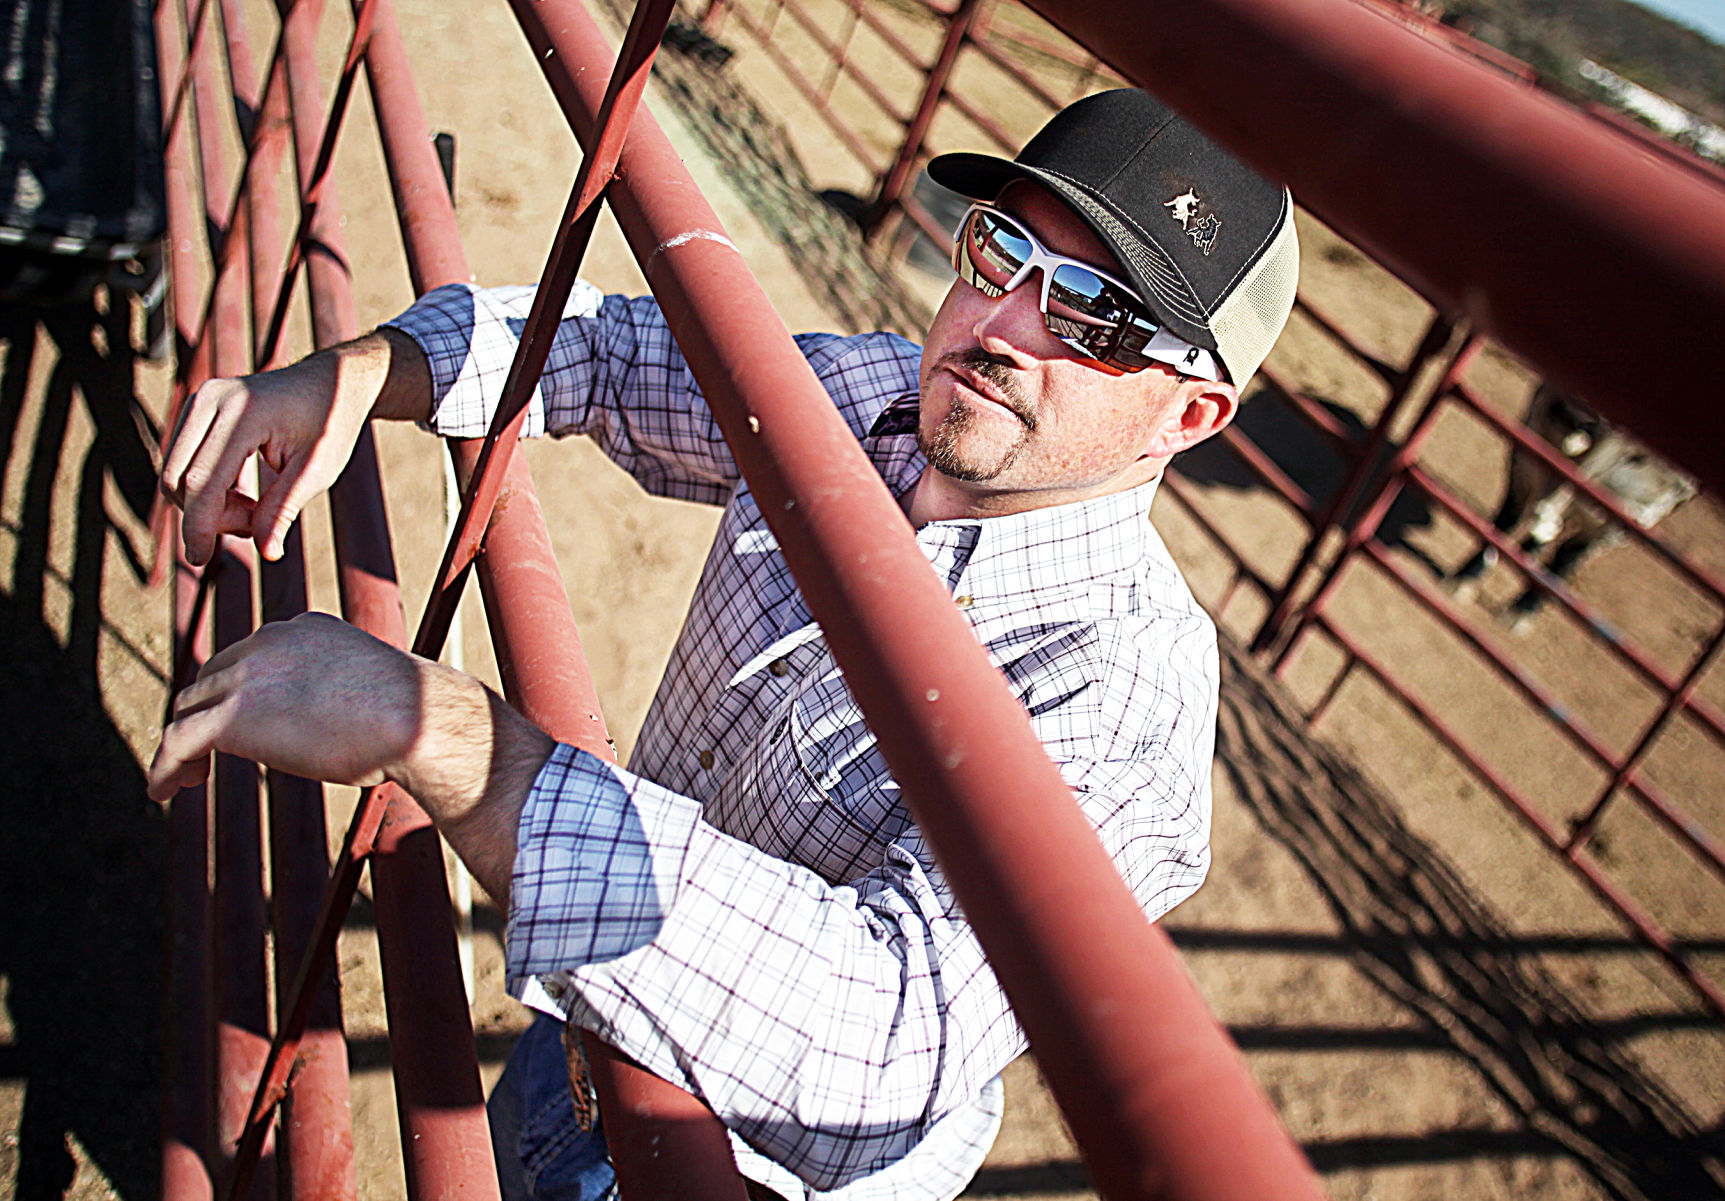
<point>542,1154</point>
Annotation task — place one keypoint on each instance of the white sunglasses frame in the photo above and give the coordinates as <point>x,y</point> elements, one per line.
<point>1160,346</point>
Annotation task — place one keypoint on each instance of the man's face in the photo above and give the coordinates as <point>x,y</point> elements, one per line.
<point>1007,408</point>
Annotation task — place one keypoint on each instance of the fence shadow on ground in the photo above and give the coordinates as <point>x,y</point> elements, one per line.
<point>81,846</point>
<point>759,163</point>
<point>1419,933</point>
<point>1308,459</point>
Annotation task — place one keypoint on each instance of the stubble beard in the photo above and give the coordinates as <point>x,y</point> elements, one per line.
<point>943,446</point>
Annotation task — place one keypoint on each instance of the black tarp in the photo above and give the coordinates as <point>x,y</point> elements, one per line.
<point>80,128</point>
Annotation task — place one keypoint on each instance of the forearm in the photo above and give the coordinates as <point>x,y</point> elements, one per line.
<point>383,373</point>
<point>470,767</point>
<point>318,698</point>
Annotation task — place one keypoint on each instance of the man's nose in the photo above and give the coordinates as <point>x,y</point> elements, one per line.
<point>1012,324</point>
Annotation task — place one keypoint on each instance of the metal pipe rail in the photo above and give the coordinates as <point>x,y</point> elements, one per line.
<point>650,1120</point>
<point>893,177</point>
<point>1637,918</point>
<point>1377,103</point>
<point>1387,95</point>
<point>1622,771</point>
<point>1140,1137</point>
<point>444,1137</point>
<point>187,1119</point>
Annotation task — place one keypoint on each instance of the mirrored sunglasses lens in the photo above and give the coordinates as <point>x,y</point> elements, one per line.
<point>997,248</point>
<point>1081,295</point>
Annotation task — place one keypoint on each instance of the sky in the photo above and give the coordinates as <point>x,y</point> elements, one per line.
<point>1706,15</point>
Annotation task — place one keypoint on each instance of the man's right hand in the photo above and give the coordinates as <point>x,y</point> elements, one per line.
<point>302,421</point>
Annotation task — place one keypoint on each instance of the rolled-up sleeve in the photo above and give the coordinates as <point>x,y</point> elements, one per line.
<point>831,1028</point>
<point>613,372</point>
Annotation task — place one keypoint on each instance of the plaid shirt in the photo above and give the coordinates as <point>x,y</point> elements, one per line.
<point>750,912</point>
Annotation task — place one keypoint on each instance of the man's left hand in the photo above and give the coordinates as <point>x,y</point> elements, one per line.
<point>318,698</point>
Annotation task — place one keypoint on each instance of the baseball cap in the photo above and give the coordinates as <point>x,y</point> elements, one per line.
<point>1208,242</point>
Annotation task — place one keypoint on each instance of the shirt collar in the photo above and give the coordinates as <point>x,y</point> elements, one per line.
<point>1059,549</point>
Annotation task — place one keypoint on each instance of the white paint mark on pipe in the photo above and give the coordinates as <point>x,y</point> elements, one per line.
<point>683,239</point>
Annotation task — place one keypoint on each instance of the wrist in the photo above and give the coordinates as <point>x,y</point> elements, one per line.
<point>383,374</point>
<point>405,391</point>
<point>470,764</point>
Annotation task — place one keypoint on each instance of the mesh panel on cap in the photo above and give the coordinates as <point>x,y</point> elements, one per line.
<point>1249,320</point>
<point>1172,295</point>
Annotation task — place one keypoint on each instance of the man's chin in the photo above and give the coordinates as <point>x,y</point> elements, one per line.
<point>957,450</point>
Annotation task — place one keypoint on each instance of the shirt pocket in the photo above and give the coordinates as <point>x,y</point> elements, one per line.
<point>853,807</point>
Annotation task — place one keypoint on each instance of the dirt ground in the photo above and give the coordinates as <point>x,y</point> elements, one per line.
<point>1436,1008</point>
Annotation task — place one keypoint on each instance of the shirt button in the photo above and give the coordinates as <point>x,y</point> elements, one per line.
<point>963,602</point>
<point>779,667</point>
<point>706,758</point>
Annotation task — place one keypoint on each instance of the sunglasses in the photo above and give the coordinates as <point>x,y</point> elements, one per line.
<point>1089,310</point>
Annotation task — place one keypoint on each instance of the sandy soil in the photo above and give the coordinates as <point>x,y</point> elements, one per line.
<point>1436,1008</point>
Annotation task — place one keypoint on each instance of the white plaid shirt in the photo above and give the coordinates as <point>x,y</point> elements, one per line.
<point>750,912</point>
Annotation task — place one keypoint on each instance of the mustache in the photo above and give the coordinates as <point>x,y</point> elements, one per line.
<point>1001,375</point>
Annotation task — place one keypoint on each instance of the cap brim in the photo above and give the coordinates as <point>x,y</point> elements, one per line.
<point>984,176</point>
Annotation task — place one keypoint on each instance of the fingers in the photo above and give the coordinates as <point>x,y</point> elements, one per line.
<point>282,419</point>
<point>202,467</point>
<point>204,711</point>
<point>209,483</point>
<point>279,504</point>
<point>183,758</point>
<point>194,422</point>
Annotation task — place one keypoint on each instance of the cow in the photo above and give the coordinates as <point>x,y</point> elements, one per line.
<point>1544,508</point>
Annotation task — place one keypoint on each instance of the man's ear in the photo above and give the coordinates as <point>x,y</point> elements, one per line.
<point>1201,409</point>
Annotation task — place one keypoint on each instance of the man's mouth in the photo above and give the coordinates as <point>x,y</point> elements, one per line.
<point>990,392</point>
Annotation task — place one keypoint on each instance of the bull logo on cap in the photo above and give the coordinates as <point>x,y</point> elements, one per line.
<point>1201,227</point>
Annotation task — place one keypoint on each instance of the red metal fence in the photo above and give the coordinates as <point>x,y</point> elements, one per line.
<point>867,54</point>
<point>1110,1074</point>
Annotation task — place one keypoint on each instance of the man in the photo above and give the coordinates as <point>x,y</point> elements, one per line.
<point>750,912</point>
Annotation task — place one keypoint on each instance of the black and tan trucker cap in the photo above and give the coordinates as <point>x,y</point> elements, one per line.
<point>1208,242</point>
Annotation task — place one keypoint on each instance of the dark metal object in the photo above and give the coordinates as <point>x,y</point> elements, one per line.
<point>81,179</point>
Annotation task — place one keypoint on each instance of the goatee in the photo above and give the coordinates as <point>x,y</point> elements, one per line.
<point>941,447</point>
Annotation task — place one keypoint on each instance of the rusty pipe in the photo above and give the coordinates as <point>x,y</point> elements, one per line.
<point>679,1126</point>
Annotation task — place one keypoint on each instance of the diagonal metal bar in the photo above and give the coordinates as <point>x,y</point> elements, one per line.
<point>1389,482</point>
<point>1365,469</point>
<point>320,951</point>
<point>622,96</point>
<point>630,79</point>
<point>1678,699</point>
<point>313,185</point>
